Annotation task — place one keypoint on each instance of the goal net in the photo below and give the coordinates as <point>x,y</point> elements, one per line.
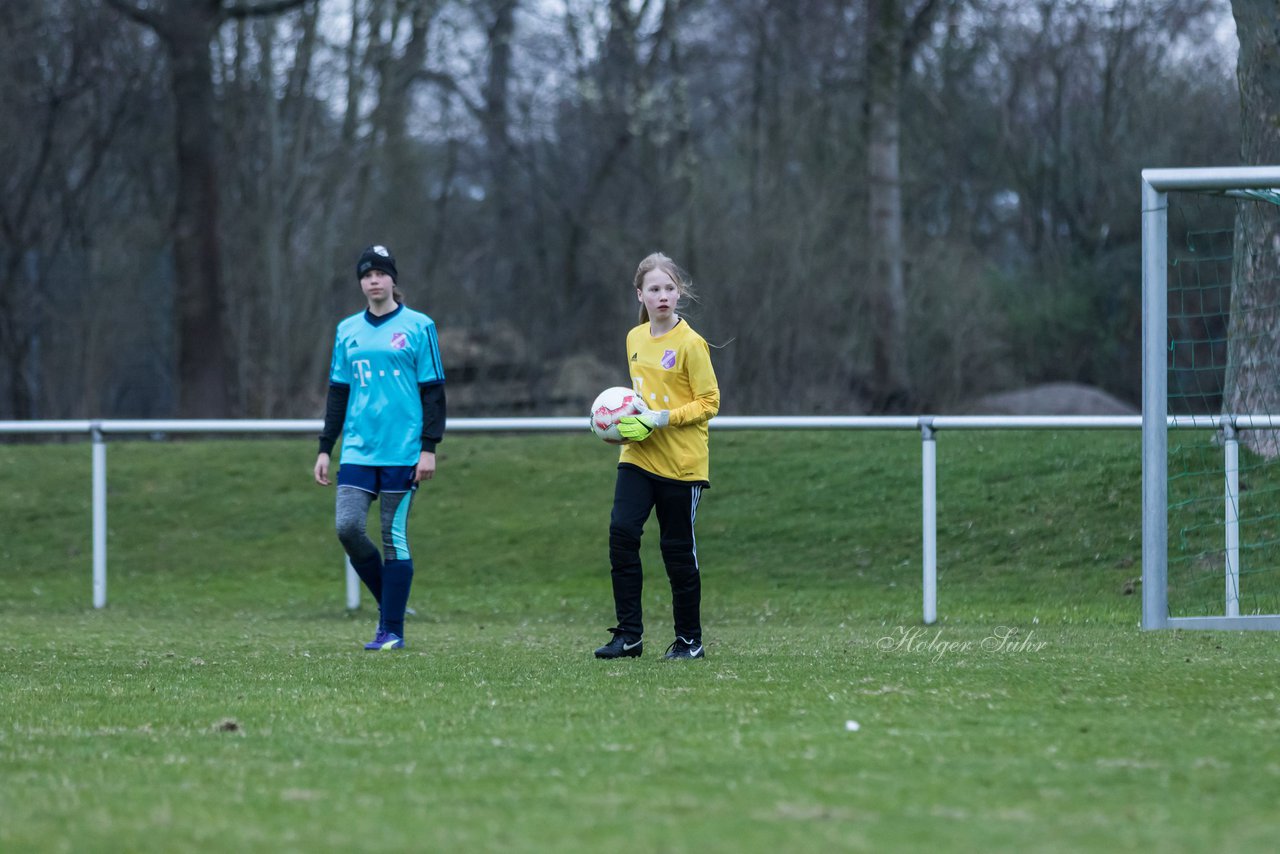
<point>1211,398</point>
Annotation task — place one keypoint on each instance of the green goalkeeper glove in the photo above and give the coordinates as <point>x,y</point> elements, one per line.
<point>638,427</point>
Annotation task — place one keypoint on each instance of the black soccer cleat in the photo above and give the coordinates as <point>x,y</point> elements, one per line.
<point>682,648</point>
<point>622,646</point>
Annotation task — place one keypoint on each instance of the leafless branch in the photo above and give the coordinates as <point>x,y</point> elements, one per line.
<point>264,9</point>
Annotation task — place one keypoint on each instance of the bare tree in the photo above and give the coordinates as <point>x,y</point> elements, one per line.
<point>499,26</point>
<point>897,28</point>
<point>280,196</point>
<point>70,96</point>
<point>187,30</point>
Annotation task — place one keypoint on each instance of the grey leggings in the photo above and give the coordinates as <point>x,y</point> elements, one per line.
<point>352,516</point>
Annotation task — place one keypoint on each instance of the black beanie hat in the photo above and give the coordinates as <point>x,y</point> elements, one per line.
<point>377,257</point>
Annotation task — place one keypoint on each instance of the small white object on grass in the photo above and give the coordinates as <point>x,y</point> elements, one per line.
<point>852,726</point>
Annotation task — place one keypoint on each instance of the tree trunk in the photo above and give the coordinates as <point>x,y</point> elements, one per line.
<point>884,188</point>
<point>1253,349</point>
<point>202,351</point>
<point>500,264</point>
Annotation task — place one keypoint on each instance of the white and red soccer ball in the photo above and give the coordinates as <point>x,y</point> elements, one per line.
<point>611,406</point>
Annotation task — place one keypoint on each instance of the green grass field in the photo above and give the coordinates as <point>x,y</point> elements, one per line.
<point>222,701</point>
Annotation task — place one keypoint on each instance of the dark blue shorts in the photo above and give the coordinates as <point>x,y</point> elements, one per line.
<point>377,479</point>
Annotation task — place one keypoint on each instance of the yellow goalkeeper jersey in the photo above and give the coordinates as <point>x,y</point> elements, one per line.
<point>673,372</point>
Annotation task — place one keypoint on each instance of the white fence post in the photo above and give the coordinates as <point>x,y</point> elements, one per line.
<point>99,498</point>
<point>1231,452</point>
<point>929,478</point>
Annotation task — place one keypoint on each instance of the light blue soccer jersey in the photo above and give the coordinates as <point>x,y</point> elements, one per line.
<point>384,362</point>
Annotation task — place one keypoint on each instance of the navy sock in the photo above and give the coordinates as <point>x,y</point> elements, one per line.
<point>370,572</point>
<point>397,578</point>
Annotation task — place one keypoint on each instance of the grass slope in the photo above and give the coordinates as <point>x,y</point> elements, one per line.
<point>222,702</point>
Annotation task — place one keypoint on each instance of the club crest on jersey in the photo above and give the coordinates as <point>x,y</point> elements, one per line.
<point>398,341</point>
<point>669,359</point>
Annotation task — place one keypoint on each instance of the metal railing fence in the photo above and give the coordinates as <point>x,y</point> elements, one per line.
<point>927,425</point>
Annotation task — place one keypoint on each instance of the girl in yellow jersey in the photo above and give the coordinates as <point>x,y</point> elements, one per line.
<point>665,467</point>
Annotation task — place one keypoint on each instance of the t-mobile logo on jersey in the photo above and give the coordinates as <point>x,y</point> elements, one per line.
<point>362,370</point>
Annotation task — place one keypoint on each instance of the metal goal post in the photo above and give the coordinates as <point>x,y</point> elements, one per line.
<point>1157,421</point>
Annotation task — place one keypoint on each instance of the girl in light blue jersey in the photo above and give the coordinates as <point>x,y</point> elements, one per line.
<point>386,399</point>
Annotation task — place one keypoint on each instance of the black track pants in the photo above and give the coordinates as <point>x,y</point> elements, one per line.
<point>635,496</point>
